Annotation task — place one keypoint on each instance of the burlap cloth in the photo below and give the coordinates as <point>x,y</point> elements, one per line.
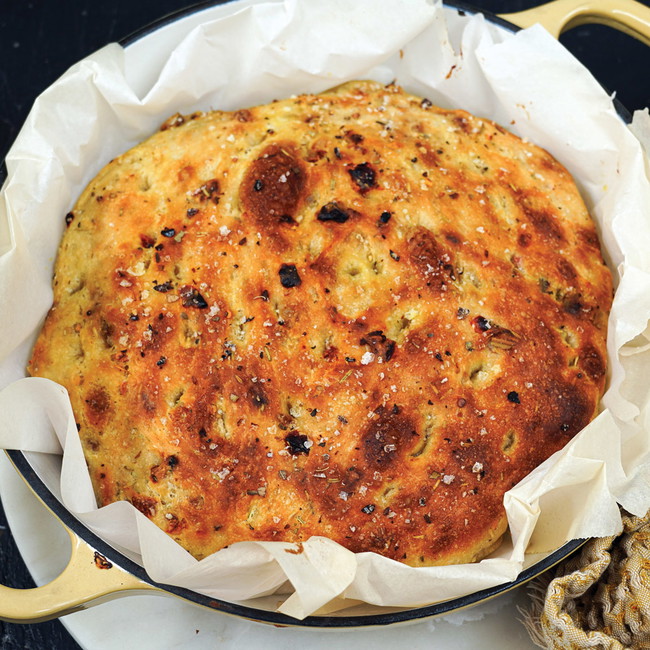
<point>599,597</point>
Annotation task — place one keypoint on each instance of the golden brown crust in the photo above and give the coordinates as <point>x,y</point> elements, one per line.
<point>353,315</point>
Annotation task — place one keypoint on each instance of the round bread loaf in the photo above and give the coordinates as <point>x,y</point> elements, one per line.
<point>352,314</point>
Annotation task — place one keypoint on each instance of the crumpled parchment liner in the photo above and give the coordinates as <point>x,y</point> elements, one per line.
<point>255,52</point>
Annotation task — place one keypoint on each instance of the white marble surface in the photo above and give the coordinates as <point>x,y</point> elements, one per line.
<point>155,622</point>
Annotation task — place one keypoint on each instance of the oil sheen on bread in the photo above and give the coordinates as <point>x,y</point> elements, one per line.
<point>353,315</point>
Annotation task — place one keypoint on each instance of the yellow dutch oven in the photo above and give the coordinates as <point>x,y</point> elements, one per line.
<point>97,573</point>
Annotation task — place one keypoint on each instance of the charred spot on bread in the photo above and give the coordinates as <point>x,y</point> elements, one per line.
<point>273,185</point>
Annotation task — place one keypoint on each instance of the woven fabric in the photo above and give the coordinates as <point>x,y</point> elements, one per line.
<point>600,597</point>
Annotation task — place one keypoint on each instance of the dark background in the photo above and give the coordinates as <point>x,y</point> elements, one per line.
<point>40,39</point>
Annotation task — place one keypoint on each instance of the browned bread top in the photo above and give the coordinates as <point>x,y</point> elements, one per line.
<point>351,314</point>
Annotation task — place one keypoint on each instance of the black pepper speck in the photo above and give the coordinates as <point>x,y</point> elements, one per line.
<point>289,276</point>
<point>364,176</point>
<point>297,443</point>
<point>192,298</point>
<point>332,212</point>
<point>164,287</point>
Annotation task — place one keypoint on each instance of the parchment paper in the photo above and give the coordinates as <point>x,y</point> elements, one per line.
<point>258,51</point>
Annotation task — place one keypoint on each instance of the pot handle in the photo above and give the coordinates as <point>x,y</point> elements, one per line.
<point>88,579</point>
<point>627,16</point>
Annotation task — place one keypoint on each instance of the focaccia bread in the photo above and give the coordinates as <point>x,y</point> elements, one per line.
<point>353,315</point>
